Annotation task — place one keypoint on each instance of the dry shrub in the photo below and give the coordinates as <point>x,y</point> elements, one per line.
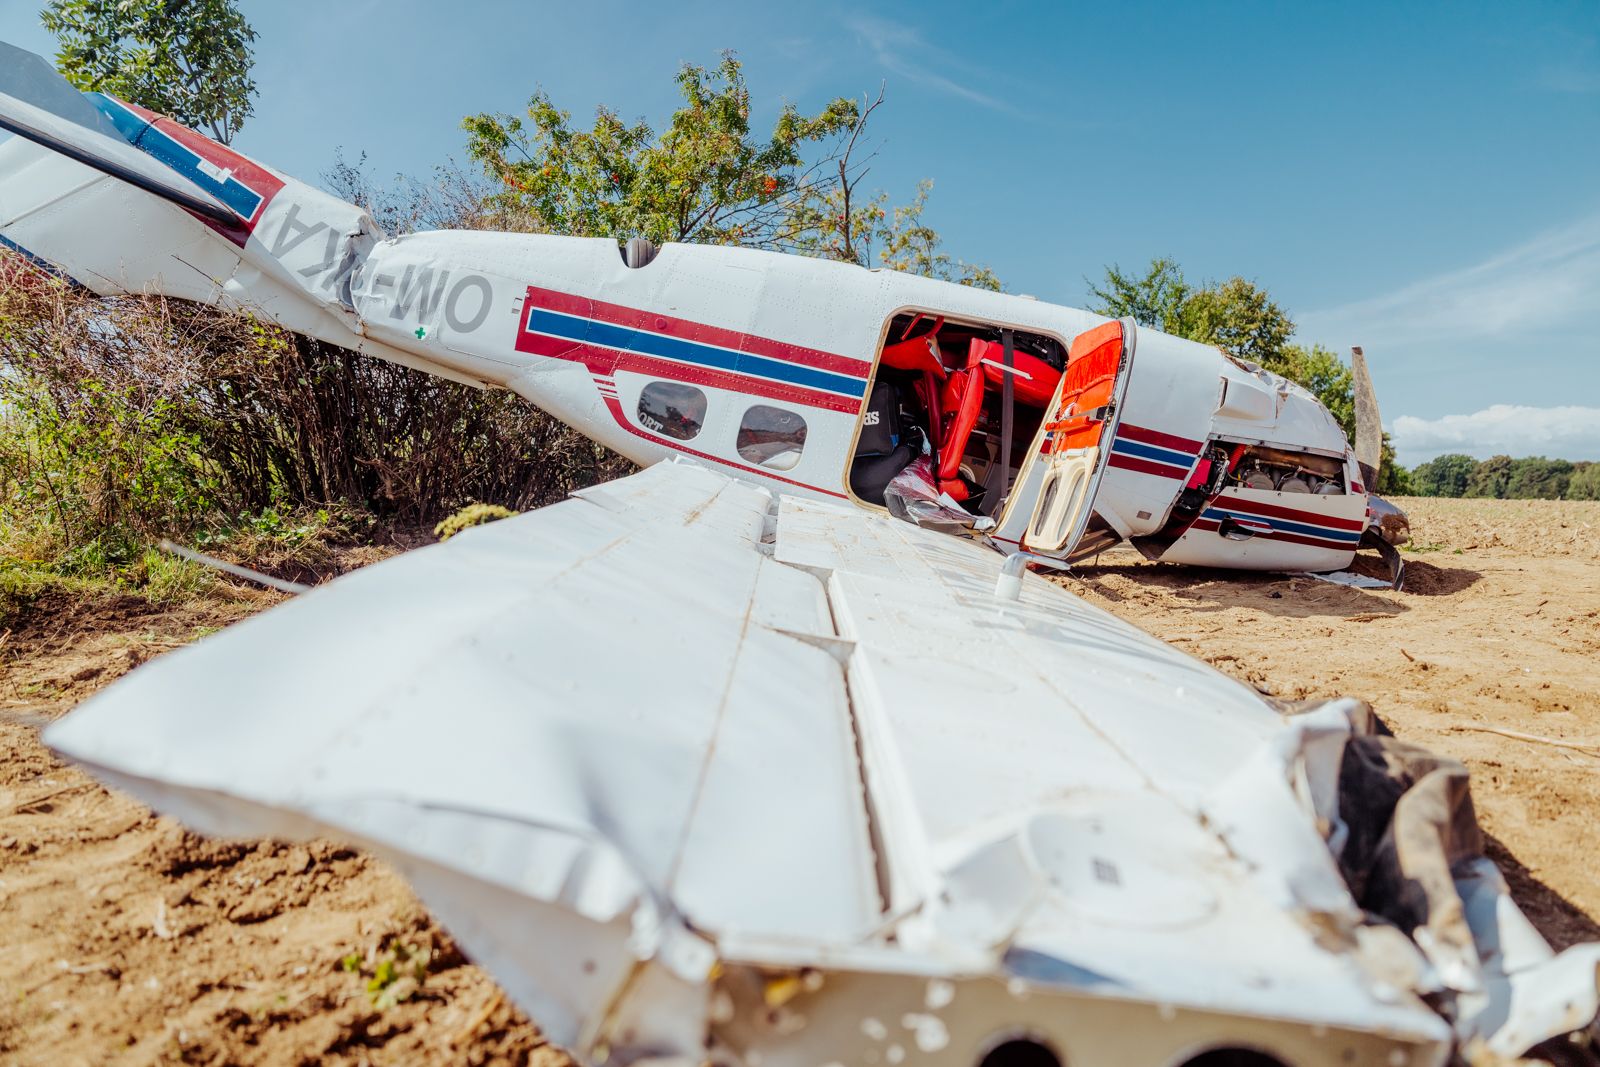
<point>123,420</point>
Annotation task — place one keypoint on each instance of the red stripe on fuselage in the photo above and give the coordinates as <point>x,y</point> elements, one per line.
<point>668,326</point>
<point>1157,437</point>
<point>1278,511</point>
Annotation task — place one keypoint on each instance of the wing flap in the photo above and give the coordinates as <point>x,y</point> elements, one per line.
<point>1046,736</point>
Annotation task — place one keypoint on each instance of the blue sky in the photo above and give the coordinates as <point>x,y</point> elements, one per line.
<point>1420,179</point>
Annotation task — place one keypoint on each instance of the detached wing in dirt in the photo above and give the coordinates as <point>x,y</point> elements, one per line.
<point>698,772</point>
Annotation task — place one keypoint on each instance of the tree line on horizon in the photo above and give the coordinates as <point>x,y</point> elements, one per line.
<point>1503,478</point>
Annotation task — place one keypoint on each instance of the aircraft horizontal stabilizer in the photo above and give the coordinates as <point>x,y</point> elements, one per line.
<point>40,105</point>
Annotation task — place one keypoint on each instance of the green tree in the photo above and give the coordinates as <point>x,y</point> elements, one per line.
<point>1237,316</point>
<point>188,59</point>
<point>1445,475</point>
<point>710,179</point>
<point>1490,478</point>
<point>1538,478</point>
<point>912,246</point>
<point>1241,319</point>
<point>1585,483</point>
<point>707,178</point>
<point>1155,300</point>
<point>1393,479</point>
<point>880,236</point>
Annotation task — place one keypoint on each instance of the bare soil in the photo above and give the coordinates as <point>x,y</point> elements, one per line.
<point>126,940</point>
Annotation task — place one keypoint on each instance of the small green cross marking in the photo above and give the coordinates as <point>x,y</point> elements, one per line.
<point>422,331</point>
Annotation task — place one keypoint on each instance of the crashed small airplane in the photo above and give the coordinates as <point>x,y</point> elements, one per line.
<point>723,762</point>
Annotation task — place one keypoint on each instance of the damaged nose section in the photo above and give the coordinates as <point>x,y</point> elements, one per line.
<point>1388,521</point>
<point>1387,529</point>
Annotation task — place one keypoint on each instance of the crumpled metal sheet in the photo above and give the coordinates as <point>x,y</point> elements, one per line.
<point>1414,857</point>
<point>1411,825</point>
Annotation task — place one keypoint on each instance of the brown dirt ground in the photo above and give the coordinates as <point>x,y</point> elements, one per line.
<point>124,939</point>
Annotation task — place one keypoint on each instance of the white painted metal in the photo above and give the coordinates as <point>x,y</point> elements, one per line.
<point>818,796</point>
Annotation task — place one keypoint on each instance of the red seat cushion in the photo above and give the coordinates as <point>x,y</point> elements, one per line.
<point>919,353</point>
<point>1036,389</point>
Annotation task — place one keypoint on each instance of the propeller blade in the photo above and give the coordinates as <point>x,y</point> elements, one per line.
<point>1369,426</point>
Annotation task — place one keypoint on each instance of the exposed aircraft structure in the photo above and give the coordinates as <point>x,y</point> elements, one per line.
<point>721,762</point>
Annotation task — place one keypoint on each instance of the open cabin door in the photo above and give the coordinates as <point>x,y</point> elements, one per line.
<point>1075,439</point>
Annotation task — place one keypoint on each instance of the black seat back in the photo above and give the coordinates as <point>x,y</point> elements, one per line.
<point>880,455</point>
<point>880,423</point>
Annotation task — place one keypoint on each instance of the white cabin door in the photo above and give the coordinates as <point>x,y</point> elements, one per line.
<point>1076,437</point>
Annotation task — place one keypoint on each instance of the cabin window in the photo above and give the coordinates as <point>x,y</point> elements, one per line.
<point>672,409</point>
<point>771,437</point>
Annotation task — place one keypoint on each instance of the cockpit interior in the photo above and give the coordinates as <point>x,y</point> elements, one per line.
<point>965,394</point>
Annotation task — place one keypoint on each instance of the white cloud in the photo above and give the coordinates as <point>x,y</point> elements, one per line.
<point>1504,429</point>
<point>903,50</point>
<point>1550,282</point>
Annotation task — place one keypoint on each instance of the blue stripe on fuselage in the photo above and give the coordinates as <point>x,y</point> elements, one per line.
<point>628,339</point>
<point>1152,452</point>
<point>147,138</point>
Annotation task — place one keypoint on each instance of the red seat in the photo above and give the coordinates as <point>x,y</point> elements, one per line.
<point>960,402</point>
<point>1034,390</point>
<point>918,353</point>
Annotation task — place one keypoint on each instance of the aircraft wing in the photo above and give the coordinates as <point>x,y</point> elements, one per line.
<point>695,771</point>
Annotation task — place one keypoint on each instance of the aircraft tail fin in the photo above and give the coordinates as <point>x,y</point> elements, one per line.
<point>93,129</point>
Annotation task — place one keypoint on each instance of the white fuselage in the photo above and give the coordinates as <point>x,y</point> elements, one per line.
<point>568,325</point>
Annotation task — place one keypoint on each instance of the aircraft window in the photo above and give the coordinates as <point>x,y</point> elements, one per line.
<point>772,437</point>
<point>672,410</point>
